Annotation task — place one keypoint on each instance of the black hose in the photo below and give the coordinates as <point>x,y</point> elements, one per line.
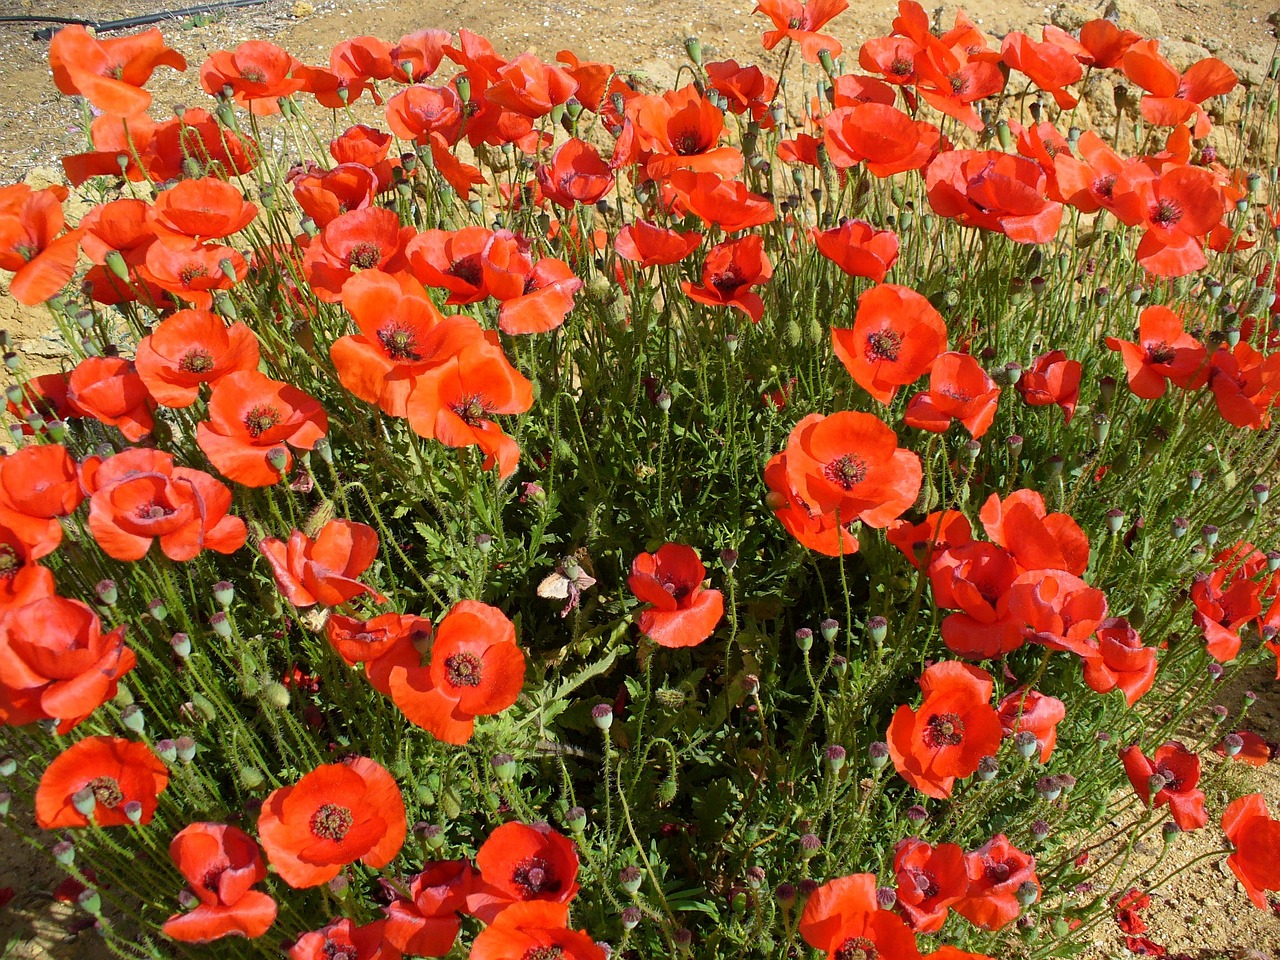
<point>107,26</point>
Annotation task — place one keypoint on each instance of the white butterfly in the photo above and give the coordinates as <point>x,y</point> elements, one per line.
<point>568,580</point>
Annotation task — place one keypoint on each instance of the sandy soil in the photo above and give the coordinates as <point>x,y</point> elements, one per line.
<point>1203,913</point>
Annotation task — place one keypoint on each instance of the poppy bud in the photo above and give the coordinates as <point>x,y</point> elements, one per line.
<point>602,714</point>
<point>504,765</point>
<point>878,754</point>
<point>157,610</point>
<point>1101,427</point>
<point>1027,893</point>
<point>115,263</point>
<point>631,918</point>
<point>575,818</point>
<point>250,777</point>
<point>835,755</point>
<point>630,878</point>
<point>917,813</point>
<point>988,767</point>
<point>8,766</point>
<point>276,695</point>
<point>84,800</point>
<point>804,639</point>
<point>1005,135</point>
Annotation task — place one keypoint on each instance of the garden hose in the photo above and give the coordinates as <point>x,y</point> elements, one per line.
<point>108,26</point>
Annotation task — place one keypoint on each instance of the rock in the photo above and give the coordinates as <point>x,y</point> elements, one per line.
<point>303,9</point>
<point>1074,14</point>
<point>1181,53</point>
<point>1099,94</point>
<point>1132,15</point>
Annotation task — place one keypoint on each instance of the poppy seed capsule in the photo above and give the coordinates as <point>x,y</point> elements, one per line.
<point>133,810</point>
<point>84,801</point>
<point>157,610</point>
<point>630,879</point>
<point>917,813</point>
<point>220,623</point>
<point>1261,493</point>
<point>575,818</point>
<point>602,714</point>
<point>1115,521</point>
<point>133,719</point>
<point>224,593</point>
<point>878,629</point>
<point>839,666</point>
<point>878,754</point>
<point>1169,830</point>
<point>785,894</point>
<point>988,767</point>
<point>804,639</point>
<point>1180,526</point>
<point>1209,534</point>
<point>1048,788</point>
<point>631,918</point>
<point>835,755</point>
<point>1039,830</point>
<point>107,593</point>
<point>1026,743</point>
<point>8,766</point>
<point>755,877</point>
<point>65,852</point>
<point>504,765</point>
<point>1027,893</point>
<point>88,899</point>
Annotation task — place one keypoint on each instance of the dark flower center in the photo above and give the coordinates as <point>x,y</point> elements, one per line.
<point>398,343</point>
<point>857,948</point>
<point>106,791</point>
<point>197,360</point>
<point>727,281</point>
<point>470,409</point>
<point>261,419</point>
<point>467,269</point>
<point>463,670</point>
<point>944,730</point>
<point>1105,185</point>
<point>846,471</point>
<point>543,953</point>
<point>192,271</point>
<point>883,345</point>
<point>9,561</point>
<point>956,394</point>
<point>364,255</point>
<point>534,876</point>
<point>253,75</point>
<point>1160,352</point>
<point>926,883</point>
<point>959,83</point>
<point>996,870</point>
<point>154,511</point>
<point>686,143</point>
<point>331,822</point>
<point>1165,213</point>
<point>901,67</point>
<point>1171,780</point>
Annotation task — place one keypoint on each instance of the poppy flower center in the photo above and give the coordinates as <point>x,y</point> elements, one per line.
<point>535,876</point>
<point>1050,147</point>
<point>463,670</point>
<point>154,511</point>
<point>1105,186</point>
<point>926,883</point>
<point>467,269</point>
<point>1165,213</point>
<point>364,255</point>
<point>1171,780</point>
<point>261,419</point>
<point>677,590</point>
<point>106,791</point>
<point>470,409</point>
<point>901,67</point>
<point>9,562</point>
<point>543,953</point>
<point>857,948</point>
<point>1160,352</point>
<point>727,281</point>
<point>398,342</point>
<point>956,394</point>
<point>846,472</point>
<point>331,822</point>
<point>686,143</point>
<point>254,76</point>
<point>27,251</point>
<point>944,730</point>
<point>197,360</point>
<point>996,870</point>
<point>883,345</point>
<point>959,83</point>
<point>192,272</point>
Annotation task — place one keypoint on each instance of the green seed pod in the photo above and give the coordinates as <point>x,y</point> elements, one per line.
<point>251,778</point>
<point>792,333</point>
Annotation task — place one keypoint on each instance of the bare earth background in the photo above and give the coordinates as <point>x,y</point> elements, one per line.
<point>1203,913</point>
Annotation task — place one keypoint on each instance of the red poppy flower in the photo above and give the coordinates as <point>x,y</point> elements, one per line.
<point>22,580</point>
<point>193,273</point>
<point>682,613</point>
<point>575,175</point>
<point>996,870</point>
<point>536,297</point>
<point>1178,772</point>
<point>139,496</point>
<point>1177,208</point>
<point>402,335</point>
<point>730,271</point>
<point>994,191</point>
<point>476,669</point>
<point>817,531</point>
<point>650,245</point>
<point>727,204</point>
<point>954,727</point>
<point>929,880</point>
<point>33,244</point>
<point>1035,713</point>
<point>345,939</point>
<point>1106,42</point>
<point>530,87</point>
<point>426,921</point>
<point>974,579</point>
<point>858,248</point>
<point>367,147</point>
<point>117,773</point>
<point>324,570</point>
<point>1052,379</point>
<point>189,348</point>
<point>452,402</point>
<point>45,397</point>
<point>801,22</point>
<point>843,919</point>
<point>1245,384</point>
<point>221,863</point>
<point>38,484</point>
<point>110,73</point>
<point>359,641</point>
<point>880,136</point>
<point>324,195</point>
<point>203,209</point>
<point>523,863</point>
<point>110,390</point>
<point>57,664</point>
<point>452,260</point>
<point>895,338</point>
<point>1173,98</point>
<point>257,74</point>
<point>1222,610</point>
<point>1164,351</point>
<point>959,389</point>
<point>1088,182</point>
<point>145,150</point>
<point>1050,66</point>
<point>951,80</point>
<point>1119,661</point>
<point>593,78</point>
<point>936,533</point>
<point>1254,750</point>
<point>1037,539</point>
<point>366,239</point>
<point>419,111</point>
<point>893,58</point>
<point>359,59</point>
<point>681,130</point>
<point>417,55</point>
<point>748,91</point>
<point>253,418</point>
<point>1256,837</point>
<point>534,929</point>
<point>335,815</point>
<point>1057,609</point>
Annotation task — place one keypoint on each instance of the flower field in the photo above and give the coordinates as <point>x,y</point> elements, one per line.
<point>502,509</point>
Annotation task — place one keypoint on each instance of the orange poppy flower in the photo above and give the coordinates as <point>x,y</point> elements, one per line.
<point>189,348</point>
<point>1107,43</point>
<point>843,919</point>
<point>122,777</point>
<point>1052,380</point>
<point>997,870</point>
<point>649,245</point>
<point>1173,98</point>
<point>929,880</point>
<point>1164,352</point>
<point>57,664</point>
<point>1050,66</point>
<point>1119,661</point>
<point>346,939</point>
<point>576,174</point>
<point>954,727</point>
<point>1088,182</point>
<point>529,87</point>
<point>451,403</point>
<point>426,921</point>
<point>1179,769</point>
<point>895,338</point>
<point>451,260</point>
<point>359,641</point>
<point>476,670</point>
<point>1057,609</point>
<point>1037,539</point>
<point>402,335</point>
<point>109,390</point>
<point>858,248</point>
<point>1245,384</point>
<point>253,419</point>
<point>22,580</point>
<point>593,78</point>
<point>323,570</point>
<point>681,612</point>
<point>1223,609</point>
<point>110,73</point>
<point>681,130</point>
<point>520,863</point>
<point>748,90</point>
<point>951,81</point>
<point>1176,208</point>
<point>366,239</point>
<point>417,55</point>
<point>974,579</point>
<point>1031,711</point>
<point>367,147</point>
<point>730,271</point>
<point>534,929</point>
<point>119,228</point>
<point>939,531</point>
<point>32,243</point>
<point>994,191</point>
<point>817,531</point>
<point>882,137</point>
<point>536,297</point>
<point>335,815</point>
<point>419,111</point>
<point>1256,838</point>
<point>203,209</point>
<point>959,389</point>
<point>727,204</point>
<point>38,484</point>
<point>325,195</point>
<point>893,58</point>
<point>801,22</point>
<point>257,74</point>
<point>220,863</point>
<point>193,273</point>
<point>139,496</point>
